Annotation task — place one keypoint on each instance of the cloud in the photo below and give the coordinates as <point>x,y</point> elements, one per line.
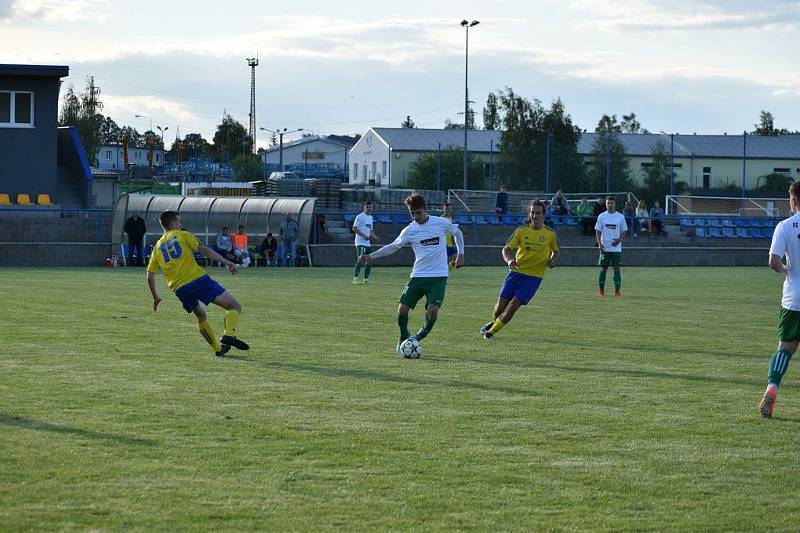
<point>53,11</point>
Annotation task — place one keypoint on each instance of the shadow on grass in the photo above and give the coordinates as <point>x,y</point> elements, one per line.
<point>605,371</point>
<point>380,376</point>
<point>15,421</point>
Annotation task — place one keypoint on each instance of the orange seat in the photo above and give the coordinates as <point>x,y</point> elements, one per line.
<point>5,199</point>
<point>24,199</point>
<point>43,199</point>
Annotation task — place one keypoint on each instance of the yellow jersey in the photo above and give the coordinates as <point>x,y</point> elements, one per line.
<point>534,248</point>
<point>449,238</point>
<point>174,254</point>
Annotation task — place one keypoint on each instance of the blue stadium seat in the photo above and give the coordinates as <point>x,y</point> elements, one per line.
<point>701,232</point>
<point>742,233</point>
<point>741,222</point>
<point>571,221</point>
<point>494,219</point>
<point>687,223</point>
<point>700,222</point>
<point>462,219</point>
<point>349,217</point>
<point>753,222</point>
<point>402,218</point>
<point>728,223</point>
<point>756,233</point>
<point>714,232</point>
<point>767,232</point>
<point>728,233</point>
<point>509,220</point>
<point>714,222</point>
<point>768,223</point>
<point>479,219</point>
<point>384,218</point>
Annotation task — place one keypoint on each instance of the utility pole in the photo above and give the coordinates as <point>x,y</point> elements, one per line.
<point>253,63</point>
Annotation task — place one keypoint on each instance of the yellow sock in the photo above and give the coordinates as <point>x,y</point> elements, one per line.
<point>231,319</point>
<point>497,326</point>
<point>208,334</point>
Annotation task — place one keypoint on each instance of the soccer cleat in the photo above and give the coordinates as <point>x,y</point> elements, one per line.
<point>397,349</point>
<point>223,350</point>
<point>486,327</point>
<point>365,281</point>
<point>617,294</point>
<point>487,336</point>
<point>767,404</point>
<point>355,281</point>
<point>233,341</point>
<point>601,293</point>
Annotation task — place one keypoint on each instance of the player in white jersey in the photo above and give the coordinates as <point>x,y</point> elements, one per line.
<point>362,227</point>
<point>426,234</point>
<point>609,231</point>
<point>784,258</point>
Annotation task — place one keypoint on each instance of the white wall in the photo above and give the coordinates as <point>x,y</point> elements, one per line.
<point>111,157</point>
<point>371,156</point>
<point>321,151</point>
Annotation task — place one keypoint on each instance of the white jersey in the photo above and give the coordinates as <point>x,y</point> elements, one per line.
<point>786,243</point>
<point>428,242</point>
<point>611,226</point>
<point>363,223</point>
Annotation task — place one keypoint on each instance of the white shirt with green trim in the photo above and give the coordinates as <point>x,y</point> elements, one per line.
<point>363,222</point>
<point>786,243</point>
<point>611,226</point>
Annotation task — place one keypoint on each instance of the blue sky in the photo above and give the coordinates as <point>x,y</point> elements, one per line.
<point>341,67</point>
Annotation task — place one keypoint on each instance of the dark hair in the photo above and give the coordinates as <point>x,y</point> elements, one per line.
<point>611,198</point>
<point>794,189</point>
<point>367,202</point>
<point>534,203</point>
<point>269,234</point>
<point>166,218</point>
<point>415,202</point>
<point>240,226</point>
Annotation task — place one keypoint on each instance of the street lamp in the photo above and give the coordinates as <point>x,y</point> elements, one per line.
<point>467,25</point>
<point>280,134</point>
<point>147,117</point>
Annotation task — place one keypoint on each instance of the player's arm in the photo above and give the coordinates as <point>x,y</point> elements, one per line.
<point>554,258</point>
<point>621,237</point>
<point>510,257</point>
<point>151,284</point>
<point>359,232</point>
<point>388,249</point>
<point>599,237</point>
<point>455,231</point>
<point>214,256</point>
<point>776,264</point>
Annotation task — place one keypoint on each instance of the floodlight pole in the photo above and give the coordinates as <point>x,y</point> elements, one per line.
<point>467,26</point>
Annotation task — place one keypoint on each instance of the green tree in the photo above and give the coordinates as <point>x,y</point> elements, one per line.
<point>408,123</point>
<point>608,153</point>
<point>774,183</point>
<point>231,139</point>
<point>196,146</point>
<point>422,171</point>
<point>247,167</point>
<point>110,131</point>
<point>83,112</point>
<point>766,126</point>
<point>491,117</point>
<point>656,182</point>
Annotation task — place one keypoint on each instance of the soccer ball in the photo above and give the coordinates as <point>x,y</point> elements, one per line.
<point>411,348</point>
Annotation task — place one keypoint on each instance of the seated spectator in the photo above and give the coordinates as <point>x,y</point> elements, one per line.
<point>584,213</point>
<point>240,247</point>
<point>269,250</point>
<point>643,217</point>
<point>319,221</point>
<point>599,207</point>
<point>630,218</point>
<point>657,218</point>
<point>225,245</point>
<point>560,204</point>
<point>501,204</point>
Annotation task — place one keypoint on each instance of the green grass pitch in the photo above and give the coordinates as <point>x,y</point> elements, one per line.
<point>583,413</point>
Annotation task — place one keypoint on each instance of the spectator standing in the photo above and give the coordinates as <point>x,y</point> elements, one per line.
<point>362,227</point>
<point>630,218</point>
<point>136,230</point>
<point>559,204</point>
<point>501,203</point>
<point>657,218</point>
<point>288,233</point>
<point>584,213</point>
<point>225,244</point>
<point>240,249</point>
<point>269,250</point>
<point>643,217</point>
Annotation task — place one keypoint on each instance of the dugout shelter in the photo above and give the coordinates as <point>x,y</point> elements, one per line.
<point>205,216</point>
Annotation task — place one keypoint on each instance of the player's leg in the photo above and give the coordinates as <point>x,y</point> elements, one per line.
<point>789,338</point>
<point>499,307</point>
<point>601,280</point>
<point>368,266</point>
<point>617,281</point>
<point>504,317</point>
<point>233,311</point>
<point>507,291</point>
<point>434,289</point>
<point>208,332</point>
<point>357,268</point>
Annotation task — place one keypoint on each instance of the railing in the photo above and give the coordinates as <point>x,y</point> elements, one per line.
<point>726,205</point>
<point>483,201</point>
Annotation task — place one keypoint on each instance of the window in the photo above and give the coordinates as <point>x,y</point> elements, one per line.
<point>706,178</point>
<point>108,155</point>
<point>782,170</point>
<point>16,109</point>
<point>158,158</point>
<point>706,170</point>
<point>651,165</point>
<point>383,169</point>
<point>355,171</point>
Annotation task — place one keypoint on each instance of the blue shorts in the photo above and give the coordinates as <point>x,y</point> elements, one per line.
<point>203,289</point>
<point>520,286</point>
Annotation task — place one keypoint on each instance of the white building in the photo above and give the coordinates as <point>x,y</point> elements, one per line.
<point>112,157</point>
<point>313,150</point>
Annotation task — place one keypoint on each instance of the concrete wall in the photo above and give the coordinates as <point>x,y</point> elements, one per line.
<point>54,254</point>
<point>28,155</point>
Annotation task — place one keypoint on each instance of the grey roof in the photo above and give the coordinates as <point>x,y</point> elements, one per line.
<point>421,140</point>
<point>731,146</point>
<point>55,71</point>
<point>311,138</point>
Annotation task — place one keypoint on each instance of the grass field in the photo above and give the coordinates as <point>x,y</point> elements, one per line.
<point>581,414</point>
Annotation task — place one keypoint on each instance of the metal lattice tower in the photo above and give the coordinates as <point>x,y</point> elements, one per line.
<point>253,63</point>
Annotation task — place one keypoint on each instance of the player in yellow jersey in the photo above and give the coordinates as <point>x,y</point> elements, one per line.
<point>536,249</point>
<point>174,254</point>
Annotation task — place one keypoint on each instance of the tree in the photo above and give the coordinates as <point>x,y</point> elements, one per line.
<point>422,171</point>
<point>608,153</point>
<point>491,117</point>
<point>774,183</point>
<point>408,123</point>
<point>766,126</point>
<point>230,139</point>
<point>246,167</point>
<point>110,132</point>
<point>196,146</point>
<point>631,125</point>
<point>449,125</point>
<point>656,182</point>
<point>83,112</point>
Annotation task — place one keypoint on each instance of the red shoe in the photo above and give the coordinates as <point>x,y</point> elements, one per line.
<point>617,294</point>
<point>601,293</point>
<point>767,404</point>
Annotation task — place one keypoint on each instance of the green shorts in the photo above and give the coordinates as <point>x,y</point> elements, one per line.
<point>432,288</point>
<point>789,326</point>
<point>361,250</point>
<point>610,258</point>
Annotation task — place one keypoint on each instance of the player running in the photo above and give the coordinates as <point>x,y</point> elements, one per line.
<point>362,227</point>
<point>426,234</point>
<point>609,231</point>
<point>536,249</point>
<point>174,254</point>
<point>785,244</point>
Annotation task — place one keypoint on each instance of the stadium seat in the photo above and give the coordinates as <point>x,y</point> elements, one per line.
<point>768,223</point>
<point>43,199</point>
<point>766,232</point>
<point>714,232</point>
<point>701,232</point>
<point>462,219</point>
<point>402,218</point>
<point>741,222</point>
<point>23,199</point>
<point>714,222</point>
<point>728,233</point>
<point>742,233</point>
<point>384,218</point>
<point>700,222</point>
<point>687,223</point>
<point>728,223</point>
<point>5,199</point>
<point>509,220</point>
<point>571,221</point>
<point>756,233</point>
<point>494,219</point>
<point>753,222</point>
<point>479,219</point>
<point>349,217</point>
